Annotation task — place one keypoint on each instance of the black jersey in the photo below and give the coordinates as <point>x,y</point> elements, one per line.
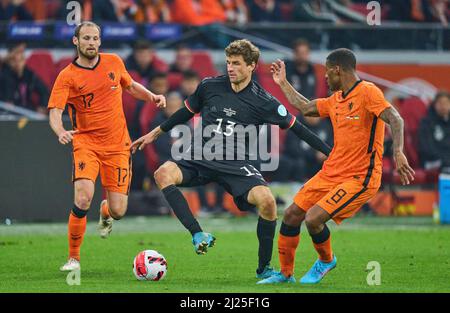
<point>226,115</point>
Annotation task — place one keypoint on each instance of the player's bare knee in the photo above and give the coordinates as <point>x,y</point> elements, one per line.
<point>117,213</point>
<point>313,223</point>
<point>293,215</point>
<point>164,176</point>
<point>83,201</point>
<point>309,219</point>
<point>291,212</point>
<point>267,207</point>
<point>117,206</point>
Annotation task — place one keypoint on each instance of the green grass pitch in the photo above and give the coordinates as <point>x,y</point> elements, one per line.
<point>413,253</point>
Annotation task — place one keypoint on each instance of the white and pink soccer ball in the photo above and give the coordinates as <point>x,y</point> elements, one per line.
<point>149,265</point>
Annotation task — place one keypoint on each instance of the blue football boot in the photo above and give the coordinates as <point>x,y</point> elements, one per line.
<point>266,273</point>
<point>277,278</point>
<point>202,241</point>
<point>318,271</point>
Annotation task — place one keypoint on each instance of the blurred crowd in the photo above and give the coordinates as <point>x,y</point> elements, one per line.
<point>27,81</point>
<point>427,126</point>
<point>434,134</point>
<point>21,86</point>
<point>205,12</point>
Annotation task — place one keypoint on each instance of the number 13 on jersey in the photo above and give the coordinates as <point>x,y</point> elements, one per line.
<point>229,127</point>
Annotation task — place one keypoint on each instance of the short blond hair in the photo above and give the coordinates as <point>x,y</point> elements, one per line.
<point>88,24</point>
<point>250,53</point>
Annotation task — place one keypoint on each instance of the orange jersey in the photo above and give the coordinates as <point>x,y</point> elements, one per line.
<point>94,97</point>
<point>358,134</point>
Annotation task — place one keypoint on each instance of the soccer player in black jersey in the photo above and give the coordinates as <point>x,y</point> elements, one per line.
<point>227,105</point>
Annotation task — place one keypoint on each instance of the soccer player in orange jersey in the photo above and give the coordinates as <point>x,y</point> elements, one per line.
<point>91,86</point>
<point>351,175</point>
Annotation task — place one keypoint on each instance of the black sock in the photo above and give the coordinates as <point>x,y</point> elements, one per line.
<point>322,236</point>
<point>289,231</point>
<point>181,208</point>
<point>78,212</point>
<point>265,231</point>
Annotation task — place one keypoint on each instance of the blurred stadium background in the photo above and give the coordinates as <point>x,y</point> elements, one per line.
<point>170,45</point>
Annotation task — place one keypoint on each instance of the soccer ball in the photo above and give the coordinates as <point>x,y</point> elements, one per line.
<point>149,265</point>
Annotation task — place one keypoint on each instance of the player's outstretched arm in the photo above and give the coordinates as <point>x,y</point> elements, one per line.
<point>138,91</point>
<point>391,117</point>
<point>306,107</point>
<point>179,117</point>
<point>140,143</point>
<point>64,136</point>
<point>310,138</point>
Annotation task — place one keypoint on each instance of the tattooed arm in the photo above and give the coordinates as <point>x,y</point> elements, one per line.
<point>306,107</point>
<point>391,117</point>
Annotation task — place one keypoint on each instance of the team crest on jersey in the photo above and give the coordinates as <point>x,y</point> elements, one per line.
<point>81,165</point>
<point>111,76</point>
<point>229,112</point>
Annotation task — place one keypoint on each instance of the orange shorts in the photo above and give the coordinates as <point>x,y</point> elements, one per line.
<point>114,167</point>
<point>340,200</point>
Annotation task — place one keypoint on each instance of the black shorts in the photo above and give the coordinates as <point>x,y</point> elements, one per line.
<point>198,173</point>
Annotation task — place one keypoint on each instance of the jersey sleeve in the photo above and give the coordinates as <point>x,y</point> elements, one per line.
<point>323,106</point>
<point>60,92</point>
<point>125,78</point>
<point>276,113</point>
<point>194,103</point>
<point>375,101</point>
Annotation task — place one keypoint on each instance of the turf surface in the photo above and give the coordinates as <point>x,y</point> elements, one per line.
<point>413,253</point>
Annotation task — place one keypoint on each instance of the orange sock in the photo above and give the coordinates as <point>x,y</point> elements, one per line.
<point>77,228</point>
<point>105,209</point>
<point>324,250</point>
<point>287,246</point>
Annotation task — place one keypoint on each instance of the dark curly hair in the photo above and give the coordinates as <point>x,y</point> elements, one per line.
<point>345,58</point>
